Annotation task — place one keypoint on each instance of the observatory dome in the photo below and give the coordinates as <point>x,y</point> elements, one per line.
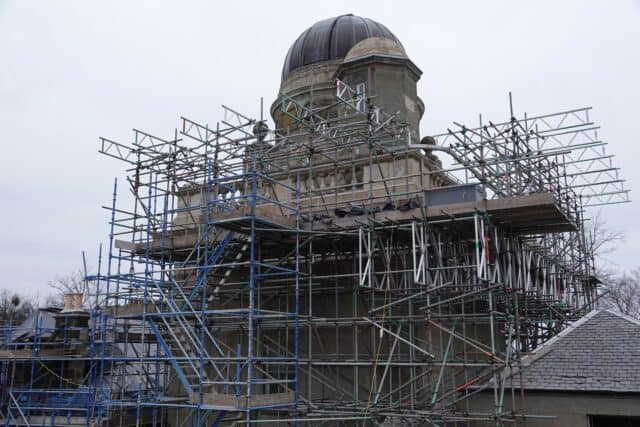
<point>331,39</point>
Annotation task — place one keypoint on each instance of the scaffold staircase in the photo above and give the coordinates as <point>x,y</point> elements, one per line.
<point>179,326</point>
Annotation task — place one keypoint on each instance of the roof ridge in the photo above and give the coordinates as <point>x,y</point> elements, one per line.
<point>603,371</point>
<point>622,316</point>
<point>545,347</point>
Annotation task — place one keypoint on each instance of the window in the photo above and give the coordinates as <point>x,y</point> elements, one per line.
<point>613,421</point>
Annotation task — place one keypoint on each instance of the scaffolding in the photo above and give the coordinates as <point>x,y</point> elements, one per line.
<point>334,272</point>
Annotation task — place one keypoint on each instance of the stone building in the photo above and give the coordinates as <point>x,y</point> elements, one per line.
<point>588,375</point>
<point>328,268</point>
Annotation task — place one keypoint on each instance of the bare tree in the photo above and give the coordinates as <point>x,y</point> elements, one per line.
<point>14,308</point>
<point>603,241</point>
<point>70,283</point>
<point>623,294</point>
<point>619,291</point>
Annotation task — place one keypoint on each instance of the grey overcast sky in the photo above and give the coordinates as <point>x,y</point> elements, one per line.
<point>71,71</point>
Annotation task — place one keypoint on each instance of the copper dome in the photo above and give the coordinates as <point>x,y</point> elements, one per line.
<point>332,39</point>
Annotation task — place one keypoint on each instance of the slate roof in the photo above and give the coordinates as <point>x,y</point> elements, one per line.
<point>600,352</point>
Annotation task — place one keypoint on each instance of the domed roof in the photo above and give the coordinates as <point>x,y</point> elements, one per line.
<point>331,39</point>
<point>375,46</point>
